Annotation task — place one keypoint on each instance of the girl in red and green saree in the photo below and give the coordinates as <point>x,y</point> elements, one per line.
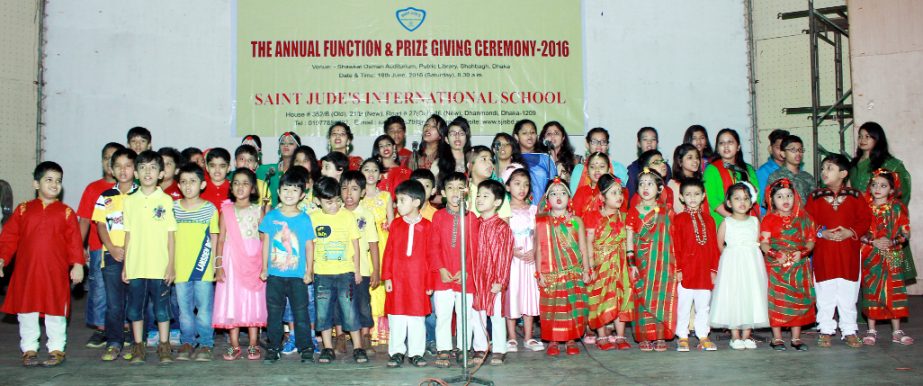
<point>650,254</point>
<point>883,293</point>
<point>562,270</point>
<point>610,291</point>
<point>787,236</point>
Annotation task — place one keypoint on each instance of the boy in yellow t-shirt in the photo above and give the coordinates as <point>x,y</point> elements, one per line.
<point>196,235</point>
<point>336,269</point>
<point>352,189</point>
<point>148,267</point>
<point>109,218</point>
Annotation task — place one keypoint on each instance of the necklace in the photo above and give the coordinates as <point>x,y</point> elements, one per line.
<point>558,220</point>
<point>700,238</point>
<point>649,225</point>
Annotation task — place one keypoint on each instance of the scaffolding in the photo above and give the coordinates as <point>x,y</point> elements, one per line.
<point>830,25</point>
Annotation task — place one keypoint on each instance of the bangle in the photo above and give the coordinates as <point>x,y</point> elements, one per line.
<point>537,274</point>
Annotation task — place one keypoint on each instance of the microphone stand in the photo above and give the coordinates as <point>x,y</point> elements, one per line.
<point>466,377</point>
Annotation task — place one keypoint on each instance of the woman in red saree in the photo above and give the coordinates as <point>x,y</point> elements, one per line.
<point>787,237</point>
<point>883,293</point>
<point>650,253</point>
<point>562,270</point>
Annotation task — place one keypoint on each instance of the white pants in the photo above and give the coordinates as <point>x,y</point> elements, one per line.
<point>30,332</point>
<point>838,295</point>
<point>411,328</point>
<point>446,301</point>
<point>497,329</point>
<point>688,297</point>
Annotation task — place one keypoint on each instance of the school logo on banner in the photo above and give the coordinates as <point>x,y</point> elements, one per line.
<point>411,18</point>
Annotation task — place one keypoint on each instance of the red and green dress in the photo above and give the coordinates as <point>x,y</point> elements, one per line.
<point>791,286</point>
<point>610,294</point>
<point>883,293</point>
<point>655,289</point>
<point>563,302</point>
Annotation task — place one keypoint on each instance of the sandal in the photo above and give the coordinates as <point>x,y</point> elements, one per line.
<point>30,359</point>
<point>553,349</point>
<point>604,344</point>
<point>589,339</point>
<point>571,348</point>
<point>512,345</point>
<point>899,337</point>
<point>497,359</point>
<point>359,355</point>
<point>853,341</point>
<point>798,345</point>
<point>326,356</point>
<point>477,358</point>
<point>660,345</point>
<point>233,353</point>
<point>706,344</point>
<point>620,342</point>
<point>417,361</point>
<point>534,345</point>
<point>824,340</point>
<point>778,345</point>
<point>395,361</point>
<point>253,353</point>
<point>870,337</point>
<point>682,345</point>
<point>645,346</point>
<point>54,358</point>
<point>442,359</point>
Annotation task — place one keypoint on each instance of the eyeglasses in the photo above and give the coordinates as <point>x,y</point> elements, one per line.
<point>658,162</point>
<point>599,143</point>
<point>456,133</point>
<point>795,150</point>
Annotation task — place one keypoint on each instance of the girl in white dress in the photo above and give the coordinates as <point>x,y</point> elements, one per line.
<point>739,300</point>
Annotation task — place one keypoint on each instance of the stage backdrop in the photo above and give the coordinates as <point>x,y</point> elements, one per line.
<point>169,66</point>
<point>303,65</point>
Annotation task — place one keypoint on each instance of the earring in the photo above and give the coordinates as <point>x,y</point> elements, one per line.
<point>570,206</point>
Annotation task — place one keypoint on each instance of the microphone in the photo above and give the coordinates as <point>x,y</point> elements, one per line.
<point>414,145</point>
<point>548,144</point>
<point>496,147</point>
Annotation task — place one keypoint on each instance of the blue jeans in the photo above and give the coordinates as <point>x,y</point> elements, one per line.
<point>196,300</point>
<point>336,291</point>
<point>294,290</point>
<point>96,291</point>
<point>150,325</point>
<point>142,290</point>
<point>116,297</point>
<point>312,310</point>
<point>363,299</point>
<point>430,322</point>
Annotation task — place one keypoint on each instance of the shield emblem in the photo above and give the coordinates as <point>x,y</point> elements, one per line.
<point>410,18</point>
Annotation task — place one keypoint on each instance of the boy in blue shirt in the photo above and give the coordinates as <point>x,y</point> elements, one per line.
<point>288,249</point>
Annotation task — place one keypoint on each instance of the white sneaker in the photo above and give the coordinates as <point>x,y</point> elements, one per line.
<point>738,344</point>
<point>512,345</point>
<point>534,345</point>
<point>750,344</point>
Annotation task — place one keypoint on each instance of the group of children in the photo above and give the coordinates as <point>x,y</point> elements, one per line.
<point>333,253</point>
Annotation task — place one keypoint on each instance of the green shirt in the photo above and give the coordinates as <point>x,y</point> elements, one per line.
<point>860,175</point>
<point>714,188</point>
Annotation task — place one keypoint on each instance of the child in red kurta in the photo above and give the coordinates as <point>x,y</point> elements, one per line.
<point>695,246</point>
<point>44,236</point>
<point>491,271</point>
<point>445,264</point>
<point>405,271</point>
<point>842,216</point>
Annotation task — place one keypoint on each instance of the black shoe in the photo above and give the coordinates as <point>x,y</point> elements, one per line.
<point>307,356</point>
<point>777,344</point>
<point>97,340</point>
<point>797,344</point>
<point>431,348</point>
<point>272,356</point>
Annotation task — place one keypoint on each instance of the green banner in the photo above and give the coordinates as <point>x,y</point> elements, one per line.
<point>302,65</point>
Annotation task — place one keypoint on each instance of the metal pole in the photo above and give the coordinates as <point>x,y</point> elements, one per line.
<point>838,69</point>
<point>464,285</point>
<point>815,81</point>
<point>40,83</point>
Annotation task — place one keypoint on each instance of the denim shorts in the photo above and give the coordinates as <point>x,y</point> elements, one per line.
<point>336,292</point>
<point>153,290</point>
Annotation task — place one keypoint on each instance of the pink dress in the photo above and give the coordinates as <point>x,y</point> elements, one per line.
<point>522,295</point>
<point>240,301</point>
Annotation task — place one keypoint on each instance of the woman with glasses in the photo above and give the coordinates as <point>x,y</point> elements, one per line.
<point>597,140</point>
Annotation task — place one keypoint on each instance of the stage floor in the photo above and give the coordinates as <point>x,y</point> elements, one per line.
<point>886,363</point>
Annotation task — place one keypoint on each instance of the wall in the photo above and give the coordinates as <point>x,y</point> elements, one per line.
<point>782,67</point>
<point>18,94</point>
<point>887,71</point>
<point>167,66</point>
